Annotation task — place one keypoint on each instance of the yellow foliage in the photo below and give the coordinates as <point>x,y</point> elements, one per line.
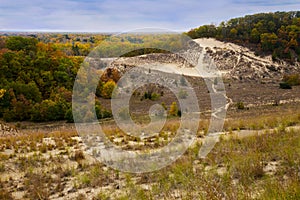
<point>2,92</point>
<point>108,89</point>
<point>173,109</point>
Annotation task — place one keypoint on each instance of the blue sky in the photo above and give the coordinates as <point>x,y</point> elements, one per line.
<point>124,15</point>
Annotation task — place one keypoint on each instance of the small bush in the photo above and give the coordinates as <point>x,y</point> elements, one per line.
<point>240,105</point>
<point>285,85</point>
<point>173,109</point>
<point>37,185</point>
<point>85,180</point>
<point>43,148</point>
<point>78,156</point>
<point>163,104</point>
<point>292,79</point>
<point>108,88</point>
<point>182,94</point>
<point>69,116</point>
<point>151,96</point>
<point>101,196</point>
<point>102,113</point>
<point>154,96</point>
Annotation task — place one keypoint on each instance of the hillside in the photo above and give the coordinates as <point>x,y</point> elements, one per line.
<point>240,63</point>
<point>276,34</point>
<point>235,62</point>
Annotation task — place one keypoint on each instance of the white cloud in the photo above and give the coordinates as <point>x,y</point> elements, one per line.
<point>118,15</point>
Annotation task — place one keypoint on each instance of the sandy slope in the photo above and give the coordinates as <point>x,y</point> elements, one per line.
<point>240,63</point>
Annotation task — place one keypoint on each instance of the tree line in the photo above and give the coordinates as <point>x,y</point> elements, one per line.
<point>36,81</point>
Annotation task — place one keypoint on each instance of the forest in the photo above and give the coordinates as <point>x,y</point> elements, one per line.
<point>37,75</point>
<point>38,71</point>
<point>276,34</point>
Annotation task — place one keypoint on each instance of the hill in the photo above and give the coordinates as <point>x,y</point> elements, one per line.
<point>276,34</point>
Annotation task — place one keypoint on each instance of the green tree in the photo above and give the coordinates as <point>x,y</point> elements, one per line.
<point>269,41</point>
<point>233,33</point>
<point>49,110</point>
<point>17,43</point>
<point>69,116</point>
<point>255,36</point>
<point>30,91</point>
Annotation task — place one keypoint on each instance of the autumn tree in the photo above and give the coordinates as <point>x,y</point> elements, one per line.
<point>173,109</point>
<point>108,88</point>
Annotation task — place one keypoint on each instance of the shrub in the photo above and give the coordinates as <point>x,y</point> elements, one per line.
<point>182,94</point>
<point>151,96</point>
<point>102,196</point>
<point>285,85</point>
<point>240,105</point>
<point>43,148</point>
<point>292,79</point>
<point>78,156</point>
<point>85,180</point>
<point>49,110</point>
<point>37,185</point>
<point>108,88</point>
<point>173,109</point>
<point>69,116</point>
<point>101,112</point>
<point>106,114</point>
<point>163,104</point>
<point>154,96</point>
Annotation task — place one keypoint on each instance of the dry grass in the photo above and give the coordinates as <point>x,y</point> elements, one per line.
<point>235,169</point>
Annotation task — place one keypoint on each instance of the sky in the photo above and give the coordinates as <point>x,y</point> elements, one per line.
<point>127,15</point>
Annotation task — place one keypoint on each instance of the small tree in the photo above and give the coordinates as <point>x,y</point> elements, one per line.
<point>163,104</point>
<point>292,80</point>
<point>240,105</point>
<point>108,89</point>
<point>173,109</point>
